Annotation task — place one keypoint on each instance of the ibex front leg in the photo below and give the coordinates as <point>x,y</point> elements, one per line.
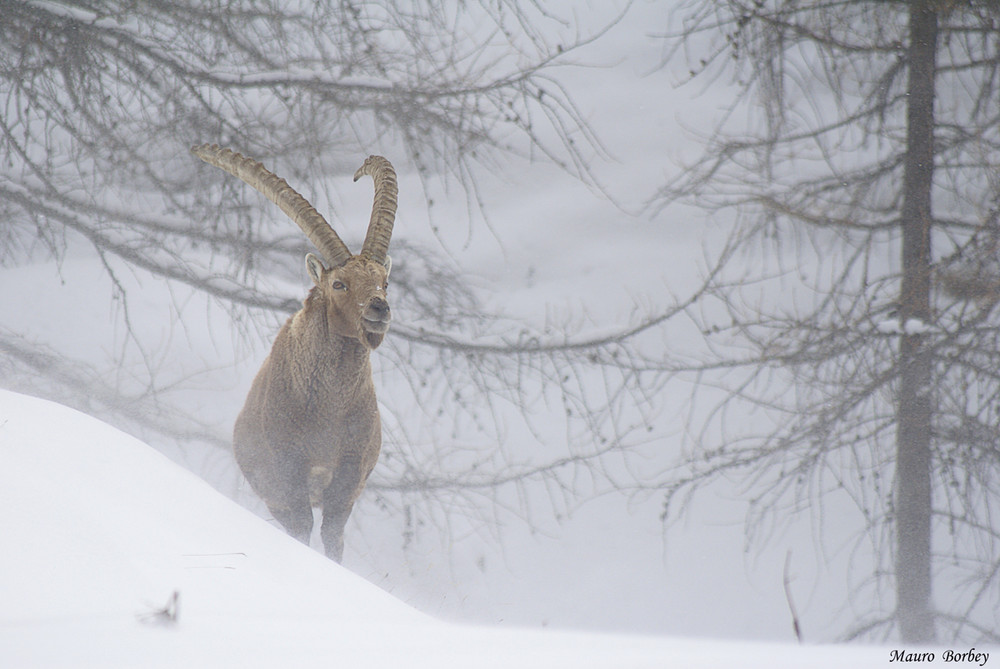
<point>338,500</point>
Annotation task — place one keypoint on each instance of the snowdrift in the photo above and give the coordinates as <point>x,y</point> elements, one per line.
<point>100,531</point>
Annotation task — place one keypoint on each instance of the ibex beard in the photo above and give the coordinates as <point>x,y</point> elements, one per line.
<point>309,433</point>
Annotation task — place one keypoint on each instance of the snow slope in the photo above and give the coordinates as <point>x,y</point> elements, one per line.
<point>99,531</point>
<point>555,252</point>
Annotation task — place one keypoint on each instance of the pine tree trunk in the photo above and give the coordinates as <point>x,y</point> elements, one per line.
<point>913,436</point>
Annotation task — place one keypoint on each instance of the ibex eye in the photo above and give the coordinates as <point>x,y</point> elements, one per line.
<point>339,285</point>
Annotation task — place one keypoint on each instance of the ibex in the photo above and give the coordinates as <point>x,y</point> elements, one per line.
<point>309,433</point>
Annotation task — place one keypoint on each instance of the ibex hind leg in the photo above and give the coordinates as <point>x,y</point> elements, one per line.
<point>282,486</point>
<point>297,520</point>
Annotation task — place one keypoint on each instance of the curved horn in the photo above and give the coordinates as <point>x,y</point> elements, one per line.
<point>376,244</point>
<point>277,190</point>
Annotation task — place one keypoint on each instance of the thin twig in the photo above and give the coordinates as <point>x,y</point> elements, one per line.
<point>788,597</point>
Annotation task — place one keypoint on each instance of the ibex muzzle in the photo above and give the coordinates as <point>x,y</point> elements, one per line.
<point>309,433</point>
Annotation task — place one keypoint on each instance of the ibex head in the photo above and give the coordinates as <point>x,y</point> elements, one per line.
<point>353,287</point>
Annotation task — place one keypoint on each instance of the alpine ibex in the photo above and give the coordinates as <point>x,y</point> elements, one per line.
<point>309,433</point>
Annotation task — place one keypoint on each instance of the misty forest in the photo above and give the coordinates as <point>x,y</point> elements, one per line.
<point>695,324</point>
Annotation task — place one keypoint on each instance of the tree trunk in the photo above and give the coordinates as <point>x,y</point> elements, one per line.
<point>913,432</point>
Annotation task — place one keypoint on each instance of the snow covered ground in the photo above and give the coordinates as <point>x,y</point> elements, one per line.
<point>608,563</point>
<point>100,531</point>
<point>87,551</point>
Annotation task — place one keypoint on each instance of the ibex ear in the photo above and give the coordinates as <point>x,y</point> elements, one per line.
<point>315,268</point>
<point>388,265</point>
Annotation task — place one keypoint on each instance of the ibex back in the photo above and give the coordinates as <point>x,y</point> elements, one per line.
<point>309,433</point>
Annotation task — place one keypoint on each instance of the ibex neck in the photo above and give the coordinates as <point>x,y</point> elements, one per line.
<point>326,353</point>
